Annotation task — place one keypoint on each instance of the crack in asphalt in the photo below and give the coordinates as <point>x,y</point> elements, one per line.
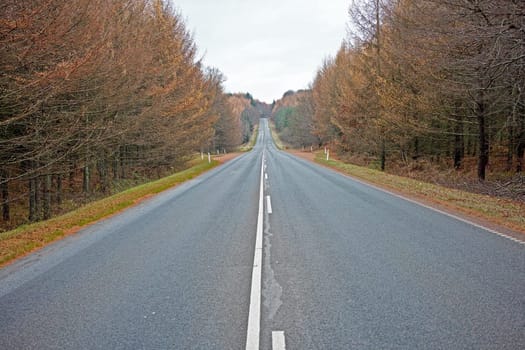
<point>272,290</point>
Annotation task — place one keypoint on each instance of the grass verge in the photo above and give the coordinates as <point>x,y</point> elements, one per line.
<point>503,212</point>
<point>251,143</point>
<point>275,136</point>
<point>27,238</point>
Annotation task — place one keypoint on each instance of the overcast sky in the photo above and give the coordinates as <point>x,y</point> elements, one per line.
<point>266,47</point>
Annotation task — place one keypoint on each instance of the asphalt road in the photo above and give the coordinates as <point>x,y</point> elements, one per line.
<point>345,266</point>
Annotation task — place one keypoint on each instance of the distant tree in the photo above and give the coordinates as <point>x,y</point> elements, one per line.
<point>227,128</point>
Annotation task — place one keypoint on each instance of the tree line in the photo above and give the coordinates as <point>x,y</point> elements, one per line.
<point>96,91</point>
<point>292,117</point>
<point>439,79</point>
<point>247,111</point>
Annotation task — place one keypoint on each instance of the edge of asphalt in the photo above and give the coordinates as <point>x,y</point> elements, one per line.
<point>482,223</point>
<point>43,258</point>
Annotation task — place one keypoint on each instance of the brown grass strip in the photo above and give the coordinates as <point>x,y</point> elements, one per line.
<point>29,238</point>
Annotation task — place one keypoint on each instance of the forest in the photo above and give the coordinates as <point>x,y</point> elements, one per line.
<point>419,84</point>
<point>96,95</point>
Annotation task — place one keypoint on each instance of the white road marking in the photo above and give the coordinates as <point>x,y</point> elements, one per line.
<point>266,176</point>
<point>254,315</point>
<point>278,341</point>
<point>269,204</point>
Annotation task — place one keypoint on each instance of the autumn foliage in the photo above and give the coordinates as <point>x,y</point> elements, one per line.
<point>97,91</point>
<point>293,118</point>
<point>441,80</point>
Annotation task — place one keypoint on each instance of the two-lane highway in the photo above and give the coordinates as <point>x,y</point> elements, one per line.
<point>341,266</point>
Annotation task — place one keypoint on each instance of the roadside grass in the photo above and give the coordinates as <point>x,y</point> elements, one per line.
<point>504,212</point>
<point>27,238</point>
<point>275,136</point>
<point>253,140</point>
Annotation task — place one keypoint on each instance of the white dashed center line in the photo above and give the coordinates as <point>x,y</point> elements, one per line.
<point>278,341</point>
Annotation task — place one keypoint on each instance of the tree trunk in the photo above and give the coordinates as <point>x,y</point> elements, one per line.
<point>519,155</point>
<point>103,175</point>
<point>383,154</point>
<point>510,150</point>
<point>483,156</point>
<point>86,179</point>
<point>4,188</point>
<point>38,197</point>
<point>520,141</point>
<point>47,197</point>
<point>32,199</point>
<point>59,190</point>
<point>123,154</point>
<point>459,144</point>
<point>520,148</point>
<point>115,165</point>
<point>72,171</point>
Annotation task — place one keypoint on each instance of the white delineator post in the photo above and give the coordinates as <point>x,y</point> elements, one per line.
<point>327,154</point>
<point>209,157</point>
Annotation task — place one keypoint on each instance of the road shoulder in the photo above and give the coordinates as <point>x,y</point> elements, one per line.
<point>493,222</point>
<point>28,239</point>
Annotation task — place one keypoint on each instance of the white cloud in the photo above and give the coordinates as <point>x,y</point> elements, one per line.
<point>266,47</point>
